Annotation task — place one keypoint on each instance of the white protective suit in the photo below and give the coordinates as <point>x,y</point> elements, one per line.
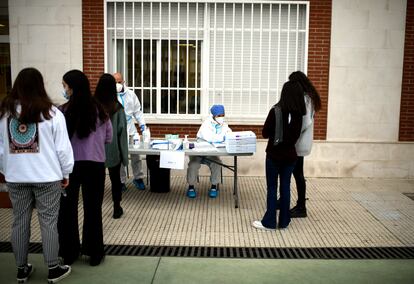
<point>209,131</point>
<point>304,143</point>
<point>133,112</point>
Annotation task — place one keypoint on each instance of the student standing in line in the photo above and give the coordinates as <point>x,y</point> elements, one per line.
<point>304,143</point>
<point>133,111</point>
<point>117,150</point>
<point>213,129</point>
<point>36,159</point>
<point>282,128</point>
<point>89,129</point>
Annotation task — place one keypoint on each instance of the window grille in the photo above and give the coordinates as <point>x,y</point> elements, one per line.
<point>180,57</point>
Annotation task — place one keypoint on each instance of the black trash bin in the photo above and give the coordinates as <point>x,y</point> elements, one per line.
<point>159,177</point>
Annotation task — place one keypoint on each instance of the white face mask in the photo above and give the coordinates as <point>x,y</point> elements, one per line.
<point>220,120</point>
<point>119,87</point>
<point>65,94</point>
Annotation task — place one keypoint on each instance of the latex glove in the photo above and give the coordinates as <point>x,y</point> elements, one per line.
<point>142,127</point>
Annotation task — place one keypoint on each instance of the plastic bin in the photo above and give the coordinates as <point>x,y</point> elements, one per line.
<point>159,177</point>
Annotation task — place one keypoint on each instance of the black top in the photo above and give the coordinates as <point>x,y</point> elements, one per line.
<point>284,151</point>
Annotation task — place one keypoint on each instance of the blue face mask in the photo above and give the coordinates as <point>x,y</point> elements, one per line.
<point>65,94</point>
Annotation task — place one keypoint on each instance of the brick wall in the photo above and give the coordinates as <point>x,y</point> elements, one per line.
<point>318,58</point>
<point>318,61</point>
<point>406,131</point>
<point>93,39</point>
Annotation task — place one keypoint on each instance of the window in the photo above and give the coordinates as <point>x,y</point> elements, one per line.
<point>182,57</point>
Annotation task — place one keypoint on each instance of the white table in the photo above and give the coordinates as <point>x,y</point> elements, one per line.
<point>220,152</point>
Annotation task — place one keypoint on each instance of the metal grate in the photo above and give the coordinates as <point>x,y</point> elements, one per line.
<point>409,195</point>
<point>249,252</point>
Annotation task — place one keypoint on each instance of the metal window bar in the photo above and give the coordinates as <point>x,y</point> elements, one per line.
<point>196,63</point>
<point>232,54</point>
<point>142,55</point>
<point>178,61</point>
<point>133,46</point>
<point>169,58</point>
<point>187,62</point>
<point>229,84</point>
<point>242,60</point>
<point>115,38</point>
<point>159,58</point>
<point>260,55</point>
<point>150,60</point>
<point>251,59</point>
<point>297,37</point>
<point>224,53</point>
<point>278,48</point>
<point>287,41</point>
<point>214,50</point>
<point>124,45</point>
<point>269,52</point>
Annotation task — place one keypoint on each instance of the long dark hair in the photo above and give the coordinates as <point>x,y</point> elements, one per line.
<point>81,111</point>
<point>106,94</point>
<point>291,98</point>
<point>28,91</point>
<point>308,87</point>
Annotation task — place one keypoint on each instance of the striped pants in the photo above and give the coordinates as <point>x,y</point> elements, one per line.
<point>45,197</point>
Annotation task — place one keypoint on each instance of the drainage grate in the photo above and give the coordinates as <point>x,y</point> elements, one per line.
<point>409,195</point>
<point>249,252</point>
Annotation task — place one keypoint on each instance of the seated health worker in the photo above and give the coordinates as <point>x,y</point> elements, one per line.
<point>212,130</point>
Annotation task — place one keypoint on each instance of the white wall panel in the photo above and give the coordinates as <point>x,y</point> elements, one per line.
<point>46,35</point>
<point>365,70</point>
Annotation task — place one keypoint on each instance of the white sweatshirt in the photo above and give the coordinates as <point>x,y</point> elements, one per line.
<point>41,154</point>
<point>304,143</point>
<point>211,131</point>
<point>132,107</point>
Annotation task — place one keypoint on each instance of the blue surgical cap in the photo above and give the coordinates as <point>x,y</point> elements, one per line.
<point>217,110</point>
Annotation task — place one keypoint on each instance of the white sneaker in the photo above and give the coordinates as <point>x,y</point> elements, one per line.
<point>259,225</point>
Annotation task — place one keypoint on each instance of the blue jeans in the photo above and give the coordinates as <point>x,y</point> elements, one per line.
<point>275,169</point>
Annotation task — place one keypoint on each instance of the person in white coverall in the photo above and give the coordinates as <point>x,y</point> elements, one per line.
<point>133,112</point>
<point>213,130</point>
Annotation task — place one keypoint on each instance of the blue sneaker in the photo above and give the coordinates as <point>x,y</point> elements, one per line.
<point>139,183</point>
<point>213,192</point>
<point>123,187</point>
<point>191,193</point>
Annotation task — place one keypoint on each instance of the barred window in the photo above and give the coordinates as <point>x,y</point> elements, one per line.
<point>182,57</point>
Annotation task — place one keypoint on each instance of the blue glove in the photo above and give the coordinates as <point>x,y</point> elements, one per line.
<point>142,127</point>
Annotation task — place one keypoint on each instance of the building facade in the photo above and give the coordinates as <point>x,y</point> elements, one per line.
<point>180,57</point>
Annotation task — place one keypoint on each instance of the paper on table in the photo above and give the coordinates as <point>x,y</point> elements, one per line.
<point>204,147</point>
<point>159,144</point>
<point>219,144</point>
<point>172,160</point>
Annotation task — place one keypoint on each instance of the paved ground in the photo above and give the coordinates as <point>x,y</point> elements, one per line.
<point>342,213</point>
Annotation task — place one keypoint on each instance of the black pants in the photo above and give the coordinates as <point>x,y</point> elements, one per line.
<point>300,182</point>
<point>115,176</point>
<point>91,176</point>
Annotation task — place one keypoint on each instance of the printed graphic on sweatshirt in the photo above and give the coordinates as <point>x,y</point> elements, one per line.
<point>23,138</point>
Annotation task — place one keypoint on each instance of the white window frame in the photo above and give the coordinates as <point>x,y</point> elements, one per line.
<point>205,58</point>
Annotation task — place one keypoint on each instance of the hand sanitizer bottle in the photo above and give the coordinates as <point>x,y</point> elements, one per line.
<point>136,140</point>
<point>186,143</point>
<point>146,137</point>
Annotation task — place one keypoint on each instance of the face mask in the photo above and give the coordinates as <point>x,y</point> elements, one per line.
<point>119,87</point>
<point>65,94</point>
<point>220,120</point>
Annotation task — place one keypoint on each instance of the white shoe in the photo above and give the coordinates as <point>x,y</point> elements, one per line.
<point>259,225</point>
